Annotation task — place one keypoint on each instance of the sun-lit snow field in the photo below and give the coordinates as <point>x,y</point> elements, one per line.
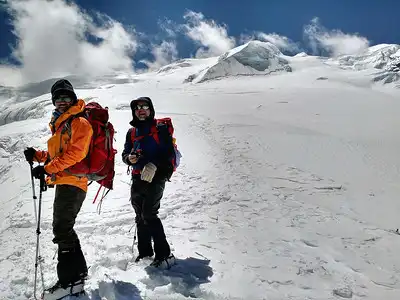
<point>288,189</point>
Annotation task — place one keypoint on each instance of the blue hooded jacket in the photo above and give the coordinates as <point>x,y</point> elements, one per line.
<point>146,146</point>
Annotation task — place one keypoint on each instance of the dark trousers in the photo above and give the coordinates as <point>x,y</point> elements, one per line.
<point>71,262</point>
<point>145,199</point>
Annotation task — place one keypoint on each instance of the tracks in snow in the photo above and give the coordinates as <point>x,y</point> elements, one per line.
<point>267,228</point>
<point>281,229</point>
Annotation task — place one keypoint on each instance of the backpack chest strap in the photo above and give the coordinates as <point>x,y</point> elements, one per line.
<point>65,128</point>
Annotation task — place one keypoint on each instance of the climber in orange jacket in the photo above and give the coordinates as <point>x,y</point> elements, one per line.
<point>64,149</point>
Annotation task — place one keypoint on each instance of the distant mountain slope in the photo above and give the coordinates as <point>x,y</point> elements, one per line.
<point>384,57</point>
<point>252,58</point>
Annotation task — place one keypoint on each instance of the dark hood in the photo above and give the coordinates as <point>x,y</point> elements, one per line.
<point>135,121</point>
<point>62,87</point>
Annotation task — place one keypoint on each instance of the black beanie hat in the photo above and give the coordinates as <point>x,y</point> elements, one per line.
<point>62,87</point>
<point>135,122</point>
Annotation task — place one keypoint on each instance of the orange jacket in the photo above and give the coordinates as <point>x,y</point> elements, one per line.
<point>64,151</point>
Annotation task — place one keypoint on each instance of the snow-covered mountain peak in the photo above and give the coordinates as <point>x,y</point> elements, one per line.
<point>301,54</point>
<point>383,48</point>
<point>378,57</point>
<point>252,58</point>
<point>253,48</point>
<point>182,63</point>
<point>382,59</point>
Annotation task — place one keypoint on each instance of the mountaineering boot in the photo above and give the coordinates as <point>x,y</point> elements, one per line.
<point>164,263</point>
<point>59,291</point>
<point>71,265</point>
<point>71,271</point>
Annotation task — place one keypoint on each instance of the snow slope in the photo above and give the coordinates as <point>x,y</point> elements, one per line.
<point>374,57</point>
<point>252,58</point>
<point>287,189</point>
<point>384,57</point>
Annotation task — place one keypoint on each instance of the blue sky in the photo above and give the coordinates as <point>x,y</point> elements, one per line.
<point>149,33</point>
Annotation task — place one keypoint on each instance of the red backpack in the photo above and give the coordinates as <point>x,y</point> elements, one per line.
<point>175,160</point>
<point>98,165</point>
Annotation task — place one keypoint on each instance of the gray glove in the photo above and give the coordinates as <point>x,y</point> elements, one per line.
<point>148,172</point>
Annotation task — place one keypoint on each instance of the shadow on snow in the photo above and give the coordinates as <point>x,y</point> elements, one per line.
<point>185,276</point>
<point>115,290</point>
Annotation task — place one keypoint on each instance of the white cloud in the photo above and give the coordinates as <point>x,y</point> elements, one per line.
<point>245,38</point>
<point>10,75</point>
<point>53,39</point>
<point>334,42</point>
<point>163,54</point>
<point>280,41</point>
<point>213,38</point>
<point>169,27</point>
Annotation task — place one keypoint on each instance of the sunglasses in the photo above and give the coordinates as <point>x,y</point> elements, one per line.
<point>144,106</point>
<point>63,99</point>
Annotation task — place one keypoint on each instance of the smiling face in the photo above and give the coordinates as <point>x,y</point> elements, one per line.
<point>142,110</point>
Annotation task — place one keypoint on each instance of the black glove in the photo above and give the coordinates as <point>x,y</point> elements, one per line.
<point>29,154</point>
<point>38,172</point>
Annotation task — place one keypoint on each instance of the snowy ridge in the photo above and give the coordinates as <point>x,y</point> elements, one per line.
<point>252,58</point>
<point>384,57</point>
<point>301,54</point>
<point>182,63</point>
<point>391,72</point>
<point>377,57</point>
<point>23,111</point>
<point>11,95</point>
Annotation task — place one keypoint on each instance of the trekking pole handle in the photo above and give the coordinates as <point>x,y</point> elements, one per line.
<point>43,186</point>
<point>33,185</point>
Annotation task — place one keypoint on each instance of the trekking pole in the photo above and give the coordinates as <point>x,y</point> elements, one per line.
<point>43,188</point>
<point>38,258</point>
<point>134,237</point>
<point>33,192</point>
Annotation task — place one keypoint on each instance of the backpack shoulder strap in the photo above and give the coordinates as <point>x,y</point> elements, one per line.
<point>133,134</point>
<point>160,126</point>
<point>66,128</point>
